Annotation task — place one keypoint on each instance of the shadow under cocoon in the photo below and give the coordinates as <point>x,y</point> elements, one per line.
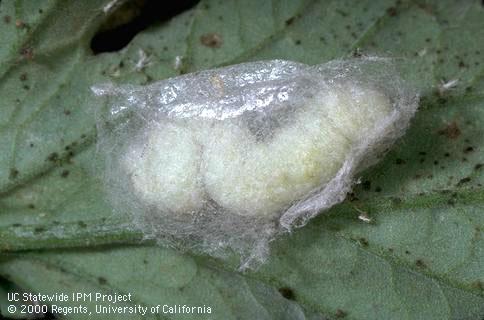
<point>132,17</point>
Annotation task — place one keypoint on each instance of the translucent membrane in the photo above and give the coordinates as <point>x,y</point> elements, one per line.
<point>231,157</point>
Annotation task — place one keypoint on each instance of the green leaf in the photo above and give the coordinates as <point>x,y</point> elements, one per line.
<point>153,277</point>
<point>422,256</point>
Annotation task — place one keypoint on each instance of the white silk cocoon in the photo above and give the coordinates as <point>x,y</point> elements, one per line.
<point>226,159</point>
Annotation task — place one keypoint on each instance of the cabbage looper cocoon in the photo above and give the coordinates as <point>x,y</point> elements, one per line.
<point>231,157</point>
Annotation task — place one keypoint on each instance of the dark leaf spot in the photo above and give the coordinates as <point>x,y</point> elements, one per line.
<point>478,285</point>
<point>363,242</point>
<point>27,53</point>
<point>65,173</point>
<point>419,263</point>
<point>211,40</point>
<point>102,280</point>
<point>39,229</point>
<point>341,13</point>
<point>352,196</point>
<point>452,131</point>
<point>53,157</point>
<point>463,181</point>
<point>357,53</point>
<point>13,174</point>
<point>290,21</point>
<point>468,149</point>
<point>287,293</point>
<point>392,11</point>
<point>20,24</point>
<point>340,314</point>
<point>366,184</point>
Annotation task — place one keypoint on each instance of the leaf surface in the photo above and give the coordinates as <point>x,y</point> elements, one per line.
<point>421,257</point>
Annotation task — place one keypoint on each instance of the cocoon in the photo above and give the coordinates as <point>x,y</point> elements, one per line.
<point>251,177</point>
<point>231,157</point>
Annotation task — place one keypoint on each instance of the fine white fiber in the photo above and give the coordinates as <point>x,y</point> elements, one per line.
<point>226,159</point>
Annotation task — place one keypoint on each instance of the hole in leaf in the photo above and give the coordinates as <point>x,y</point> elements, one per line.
<point>132,17</point>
